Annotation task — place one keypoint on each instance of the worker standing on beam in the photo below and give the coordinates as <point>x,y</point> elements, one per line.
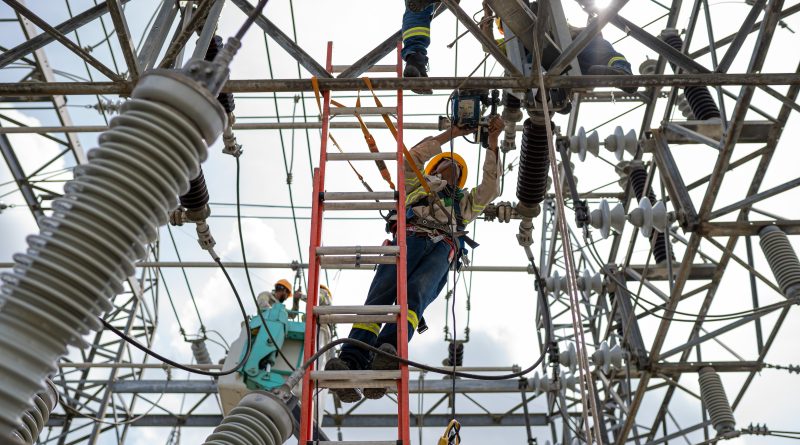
<point>597,58</point>
<point>435,243</point>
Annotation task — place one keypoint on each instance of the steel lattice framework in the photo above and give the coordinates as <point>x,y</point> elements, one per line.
<point>105,391</point>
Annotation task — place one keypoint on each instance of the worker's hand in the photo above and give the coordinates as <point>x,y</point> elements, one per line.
<point>496,126</point>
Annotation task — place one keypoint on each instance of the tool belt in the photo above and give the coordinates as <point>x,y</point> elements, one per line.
<point>443,229</point>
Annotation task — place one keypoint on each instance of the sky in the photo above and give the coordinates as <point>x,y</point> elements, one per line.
<point>502,305</point>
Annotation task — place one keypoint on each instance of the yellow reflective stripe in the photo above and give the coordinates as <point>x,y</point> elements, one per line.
<point>413,319</point>
<point>417,31</point>
<point>477,207</point>
<point>371,327</point>
<point>616,59</point>
<point>415,195</point>
<point>412,181</point>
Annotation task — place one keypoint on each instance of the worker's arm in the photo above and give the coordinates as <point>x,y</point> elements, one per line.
<point>489,188</point>
<point>428,148</point>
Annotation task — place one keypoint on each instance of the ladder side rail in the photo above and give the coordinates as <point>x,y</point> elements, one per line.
<point>310,341</point>
<point>403,424</point>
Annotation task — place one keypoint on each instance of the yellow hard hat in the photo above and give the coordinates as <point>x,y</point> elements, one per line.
<point>456,158</point>
<point>285,283</point>
<point>322,286</point>
<point>499,25</point>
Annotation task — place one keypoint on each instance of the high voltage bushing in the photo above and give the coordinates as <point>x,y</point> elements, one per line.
<point>197,196</point>
<point>534,163</point>
<point>782,259</point>
<point>225,99</point>
<point>100,227</point>
<point>35,419</point>
<point>699,98</point>
<point>200,352</point>
<point>713,396</point>
<point>258,419</point>
<point>638,178</point>
<point>455,354</point>
<point>511,115</point>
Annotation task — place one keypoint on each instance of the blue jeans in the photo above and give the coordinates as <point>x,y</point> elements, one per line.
<point>427,269</point>
<point>417,31</point>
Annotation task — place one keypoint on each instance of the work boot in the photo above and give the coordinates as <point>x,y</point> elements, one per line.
<point>605,70</point>
<point>419,5</point>
<point>382,363</point>
<point>346,395</point>
<point>416,67</point>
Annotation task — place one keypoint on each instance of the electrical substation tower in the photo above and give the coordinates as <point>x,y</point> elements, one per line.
<point>641,246</point>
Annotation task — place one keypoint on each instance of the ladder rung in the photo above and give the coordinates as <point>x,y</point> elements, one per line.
<point>381,156</point>
<point>360,206</point>
<point>363,111</point>
<point>358,442</point>
<point>335,319</point>
<point>353,250</point>
<point>377,309</point>
<point>372,69</point>
<point>354,260</point>
<point>356,379</point>
<point>356,196</point>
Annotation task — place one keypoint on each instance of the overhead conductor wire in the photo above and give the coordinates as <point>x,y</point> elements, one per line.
<point>580,342</point>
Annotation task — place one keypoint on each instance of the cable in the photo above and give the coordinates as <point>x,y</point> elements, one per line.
<point>241,236</point>
<point>422,366</point>
<point>251,19</point>
<point>163,359</point>
<point>186,279</point>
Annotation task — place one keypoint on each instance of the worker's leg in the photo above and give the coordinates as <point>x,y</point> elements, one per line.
<point>416,38</point>
<point>600,52</point>
<point>382,291</point>
<point>424,282</point>
<point>417,31</point>
<point>423,286</point>
<point>600,58</point>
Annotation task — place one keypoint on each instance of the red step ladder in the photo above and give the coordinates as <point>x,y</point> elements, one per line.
<point>323,201</point>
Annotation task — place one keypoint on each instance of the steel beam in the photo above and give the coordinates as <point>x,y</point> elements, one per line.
<point>182,36</point>
<point>284,41</point>
<point>66,27</point>
<point>428,386</point>
<point>61,38</point>
<point>740,36</point>
<point>124,37</point>
<point>752,199</point>
<point>438,83</point>
<point>658,45</point>
<point>632,335</point>
<point>158,34</point>
<point>673,180</point>
<point>345,421</point>
<point>28,193</point>
<point>59,101</point>
<point>488,44</point>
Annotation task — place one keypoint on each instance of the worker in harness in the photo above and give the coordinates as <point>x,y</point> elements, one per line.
<point>435,243</point>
